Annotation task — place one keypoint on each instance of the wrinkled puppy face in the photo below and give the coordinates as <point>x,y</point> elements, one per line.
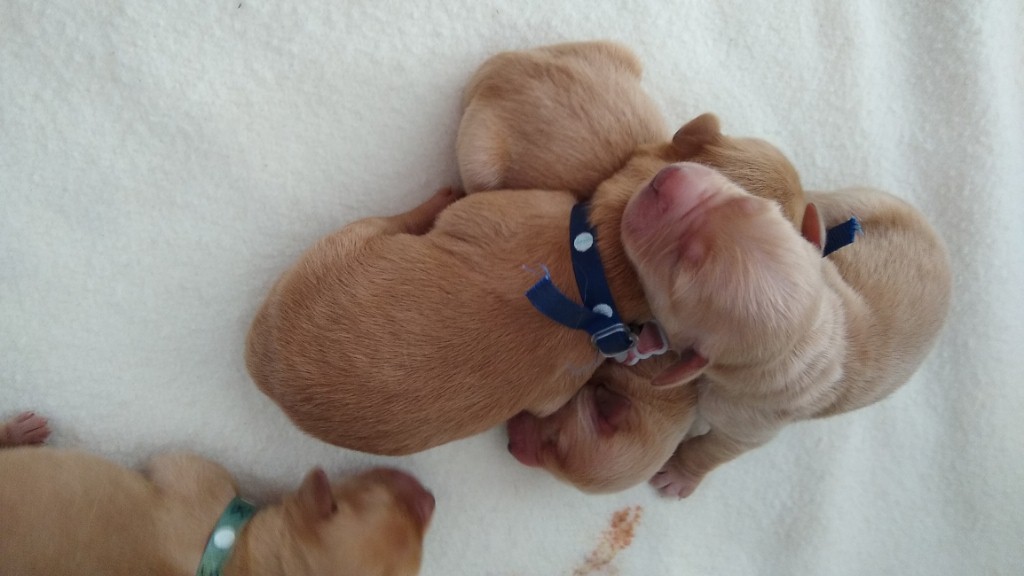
<point>729,278</point>
<point>372,523</point>
<point>616,432</point>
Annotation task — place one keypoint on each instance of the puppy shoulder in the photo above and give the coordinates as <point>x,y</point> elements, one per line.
<point>188,474</point>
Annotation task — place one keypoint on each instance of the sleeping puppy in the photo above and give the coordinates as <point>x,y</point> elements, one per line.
<point>619,430</point>
<point>398,334</point>
<point>69,512</point>
<point>882,303</point>
<point>561,117</point>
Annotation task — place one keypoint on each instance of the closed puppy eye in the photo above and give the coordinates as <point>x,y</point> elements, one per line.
<point>610,409</point>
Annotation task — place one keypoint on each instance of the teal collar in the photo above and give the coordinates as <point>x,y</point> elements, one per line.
<point>222,539</point>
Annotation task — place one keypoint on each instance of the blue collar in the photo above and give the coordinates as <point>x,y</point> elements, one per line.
<point>841,235</point>
<point>598,315</point>
<point>223,537</point>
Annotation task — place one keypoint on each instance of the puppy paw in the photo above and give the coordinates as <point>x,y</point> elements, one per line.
<point>421,219</point>
<point>25,428</point>
<point>671,482</point>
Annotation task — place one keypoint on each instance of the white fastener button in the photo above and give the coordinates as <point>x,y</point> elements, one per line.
<point>603,309</point>
<point>583,241</point>
<point>224,538</point>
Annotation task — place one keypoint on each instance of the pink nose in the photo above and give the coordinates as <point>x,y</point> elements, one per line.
<point>681,187</point>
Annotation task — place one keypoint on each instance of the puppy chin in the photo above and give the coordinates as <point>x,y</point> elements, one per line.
<point>524,439</point>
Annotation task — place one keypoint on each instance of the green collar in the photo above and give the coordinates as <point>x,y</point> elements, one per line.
<point>222,539</point>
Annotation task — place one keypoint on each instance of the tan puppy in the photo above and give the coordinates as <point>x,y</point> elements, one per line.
<point>615,433</point>
<point>883,302</point>
<point>73,513</point>
<point>562,117</point>
<point>25,428</point>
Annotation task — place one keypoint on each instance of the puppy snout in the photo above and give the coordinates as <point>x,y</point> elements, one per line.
<point>419,501</point>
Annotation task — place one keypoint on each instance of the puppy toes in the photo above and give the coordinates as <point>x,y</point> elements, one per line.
<point>672,483</point>
<point>26,428</point>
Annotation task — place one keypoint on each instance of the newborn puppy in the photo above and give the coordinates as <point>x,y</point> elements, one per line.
<point>736,256</point>
<point>25,428</point>
<point>562,117</point>
<point>617,431</point>
<point>841,335</point>
<point>394,335</point>
<point>885,298</point>
<point>73,513</point>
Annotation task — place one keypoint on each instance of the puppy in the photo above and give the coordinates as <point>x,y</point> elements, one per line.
<point>73,513</point>
<point>398,334</point>
<point>883,301</point>
<point>25,428</point>
<point>562,117</point>
<point>709,245</point>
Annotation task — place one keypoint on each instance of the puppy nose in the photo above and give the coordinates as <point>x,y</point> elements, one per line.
<point>425,507</point>
<point>662,176</point>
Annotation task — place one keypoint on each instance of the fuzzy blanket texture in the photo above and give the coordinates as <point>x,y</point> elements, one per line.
<point>162,163</point>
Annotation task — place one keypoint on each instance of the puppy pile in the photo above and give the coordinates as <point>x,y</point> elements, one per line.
<point>636,306</point>
<point>397,334</point>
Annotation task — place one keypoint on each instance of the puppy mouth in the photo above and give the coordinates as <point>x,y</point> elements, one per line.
<point>524,439</point>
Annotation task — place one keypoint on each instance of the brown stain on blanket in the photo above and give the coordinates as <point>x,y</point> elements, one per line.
<point>616,538</point>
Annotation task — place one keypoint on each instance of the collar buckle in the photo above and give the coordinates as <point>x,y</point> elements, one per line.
<point>624,340</point>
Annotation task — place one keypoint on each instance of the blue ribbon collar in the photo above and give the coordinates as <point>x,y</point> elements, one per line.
<point>222,539</point>
<point>598,315</point>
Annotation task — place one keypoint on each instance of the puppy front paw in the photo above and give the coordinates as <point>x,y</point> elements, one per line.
<point>25,428</point>
<point>672,482</point>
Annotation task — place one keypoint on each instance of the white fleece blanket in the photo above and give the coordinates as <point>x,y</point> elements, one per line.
<point>161,163</point>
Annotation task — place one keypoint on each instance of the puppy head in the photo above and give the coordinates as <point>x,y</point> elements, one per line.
<point>372,523</point>
<point>616,432</point>
<point>755,165</point>
<point>730,279</point>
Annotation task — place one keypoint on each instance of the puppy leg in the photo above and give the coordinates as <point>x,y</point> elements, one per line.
<point>694,458</point>
<point>420,219</point>
<point>25,428</point>
<point>417,221</point>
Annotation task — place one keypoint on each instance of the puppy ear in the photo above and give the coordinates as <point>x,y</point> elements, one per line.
<point>696,134</point>
<point>314,498</point>
<point>812,228</point>
<point>689,366</point>
<point>611,409</point>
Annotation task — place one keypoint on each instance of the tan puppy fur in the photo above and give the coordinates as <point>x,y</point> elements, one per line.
<point>885,298</point>
<point>562,117</point>
<point>73,513</point>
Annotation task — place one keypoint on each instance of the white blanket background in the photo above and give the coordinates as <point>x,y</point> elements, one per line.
<point>162,162</point>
